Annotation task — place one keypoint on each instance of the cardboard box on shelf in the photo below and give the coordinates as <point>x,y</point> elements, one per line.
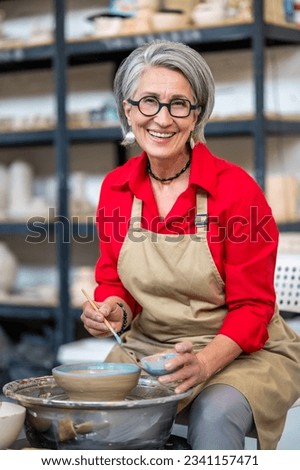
<point>274,11</point>
<point>279,12</point>
<point>282,193</point>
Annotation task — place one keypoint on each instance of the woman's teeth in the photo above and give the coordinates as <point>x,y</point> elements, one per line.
<point>161,135</point>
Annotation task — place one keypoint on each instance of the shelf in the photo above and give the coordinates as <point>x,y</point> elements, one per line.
<point>222,37</point>
<point>28,138</point>
<point>28,58</point>
<point>25,228</point>
<point>289,227</point>
<point>218,128</point>
<point>101,49</point>
<point>276,35</point>
<point>99,134</point>
<point>230,127</point>
<point>87,49</point>
<point>282,126</point>
<point>22,56</point>
<point>75,313</point>
<point>84,231</point>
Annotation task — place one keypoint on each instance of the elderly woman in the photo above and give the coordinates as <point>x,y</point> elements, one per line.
<point>188,248</point>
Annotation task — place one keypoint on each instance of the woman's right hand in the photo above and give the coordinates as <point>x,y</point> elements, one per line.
<point>93,320</point>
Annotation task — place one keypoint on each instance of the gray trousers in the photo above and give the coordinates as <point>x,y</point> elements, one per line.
<point>219,419</point>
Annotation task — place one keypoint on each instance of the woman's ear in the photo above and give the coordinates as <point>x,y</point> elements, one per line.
<point>127,108</point>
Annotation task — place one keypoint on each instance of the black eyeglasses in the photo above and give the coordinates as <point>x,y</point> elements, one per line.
<point>178,107</point>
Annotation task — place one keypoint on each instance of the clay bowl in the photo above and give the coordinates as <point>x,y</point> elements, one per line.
<point>155,364</point>
<point>101,381</point>
<point>12,417</point>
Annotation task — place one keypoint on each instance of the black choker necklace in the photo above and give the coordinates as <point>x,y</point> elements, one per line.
<point>166,180</point>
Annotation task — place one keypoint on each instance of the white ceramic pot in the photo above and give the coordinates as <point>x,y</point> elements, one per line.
<point>9,267</point>
<point>108,25</point>
<point>20,187</point>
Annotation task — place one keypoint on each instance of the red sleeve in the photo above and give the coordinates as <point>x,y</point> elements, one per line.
<point>249,265</point>
<point>112,219</point>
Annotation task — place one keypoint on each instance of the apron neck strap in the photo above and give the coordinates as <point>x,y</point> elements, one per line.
<point>201,212</point>
<point>136,213</point>
<point>200,217</point>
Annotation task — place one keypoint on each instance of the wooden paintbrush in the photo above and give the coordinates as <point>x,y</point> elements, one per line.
<point>106,322</point>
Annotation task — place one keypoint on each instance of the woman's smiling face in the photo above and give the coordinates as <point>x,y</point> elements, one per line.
<point>162,136</point>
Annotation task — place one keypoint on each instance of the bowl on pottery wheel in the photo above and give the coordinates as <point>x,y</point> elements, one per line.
<point>12,418</point>
<point>99,381</point>
<point>155,364</point>
<point>144,420</point>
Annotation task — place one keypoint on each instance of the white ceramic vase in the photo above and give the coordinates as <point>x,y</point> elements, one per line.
<point>20,189</point>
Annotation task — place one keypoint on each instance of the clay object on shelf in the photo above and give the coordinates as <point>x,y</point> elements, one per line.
<point>3,192</point>
<point>209,12</point>
<point>83,277</point>
<point>164,20</point>
<point>21,202</point>
<point>20,187</point>
<point>107,23</point>
<point>282,193</point>
<point>2,16</point>
<point>79,204</point>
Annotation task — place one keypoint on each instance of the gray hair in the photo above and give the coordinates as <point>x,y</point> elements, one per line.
<point>174,56</point>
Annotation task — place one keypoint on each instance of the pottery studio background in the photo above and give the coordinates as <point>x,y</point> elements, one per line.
<point>50,175</point>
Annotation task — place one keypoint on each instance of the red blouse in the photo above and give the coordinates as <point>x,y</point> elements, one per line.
<point>242,236</point>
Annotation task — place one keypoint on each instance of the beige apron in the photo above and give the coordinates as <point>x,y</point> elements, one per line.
<point>175,280</point>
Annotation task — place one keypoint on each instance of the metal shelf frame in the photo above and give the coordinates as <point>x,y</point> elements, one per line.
<point>24,139</point>
<point>62,54</point>
<point>229,128</point>
<point>26,58</point>
<point>30,312</point>
<point>38,226</point>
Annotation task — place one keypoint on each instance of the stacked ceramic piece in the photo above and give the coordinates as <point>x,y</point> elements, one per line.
<point>17,201</point>
<point>9,266</point>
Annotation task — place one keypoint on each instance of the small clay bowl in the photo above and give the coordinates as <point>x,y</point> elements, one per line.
<point>104,381</point>
<point>155,364</point>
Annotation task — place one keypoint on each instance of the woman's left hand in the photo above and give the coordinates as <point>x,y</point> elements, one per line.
<point>191,370</point>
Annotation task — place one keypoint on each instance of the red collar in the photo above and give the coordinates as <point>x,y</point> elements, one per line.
<point>204,172</point>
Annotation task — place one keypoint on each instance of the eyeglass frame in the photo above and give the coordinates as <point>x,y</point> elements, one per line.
<point>161,105</point>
